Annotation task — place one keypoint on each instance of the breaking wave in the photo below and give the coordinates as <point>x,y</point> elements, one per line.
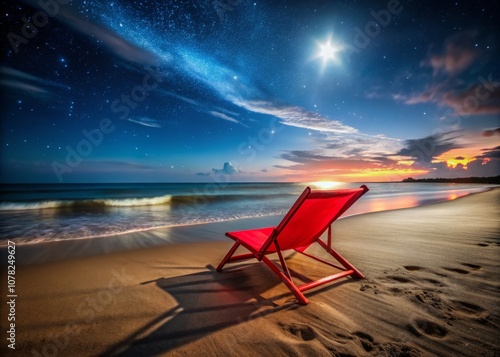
<point>127,202</point>
<point>123,202</point>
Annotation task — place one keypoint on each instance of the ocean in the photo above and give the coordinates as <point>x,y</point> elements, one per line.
<point>34,213</point>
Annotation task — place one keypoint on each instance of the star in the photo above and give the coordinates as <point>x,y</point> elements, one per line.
<point>328,52</point>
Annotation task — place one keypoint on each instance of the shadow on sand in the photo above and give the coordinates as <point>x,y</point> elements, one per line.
<point>207,302</point>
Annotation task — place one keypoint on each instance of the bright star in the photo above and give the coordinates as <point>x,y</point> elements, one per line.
<point>328,52</point>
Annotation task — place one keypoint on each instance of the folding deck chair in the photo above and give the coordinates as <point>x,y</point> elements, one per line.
<point>312,213</point>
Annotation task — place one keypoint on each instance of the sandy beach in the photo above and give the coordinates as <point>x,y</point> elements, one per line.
<point>432,287</point>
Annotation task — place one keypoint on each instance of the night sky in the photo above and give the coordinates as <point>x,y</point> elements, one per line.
<point>240,90</point>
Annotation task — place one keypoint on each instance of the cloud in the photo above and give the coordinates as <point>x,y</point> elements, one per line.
<point>33,90</point>
<point>384,160</point>
<point>35,86</point>
<point>483,168</point>
<point>490,153</point>
<point>180,97</point>
<point>457,56</point>
<point>491,132</point>
<point>359,145</point>
<point>227,169</point>
<point>426,153</point>
<point>478,99</point>
<point>426,149</point>
<point>353,155</point>
<point>152,123</point>
<point>113,41</point>
<point>453,61</point>
<point>313,161</point>
<point>475,168</point>
<point>225,117</point>
<point>302,156</point>
<point>431,94</point>
<point>111,166</point>
<point>227,111</point>
<point>296,116</point>
<point>481,98</point>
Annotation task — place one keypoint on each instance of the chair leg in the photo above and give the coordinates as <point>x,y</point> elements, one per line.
<point>356,273</point>
<point>228,256</point>
<point>340,259</point>
<point>346,264</point>
<point>288,282</point>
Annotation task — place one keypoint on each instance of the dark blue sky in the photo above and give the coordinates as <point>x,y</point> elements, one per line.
<point>129,91</point>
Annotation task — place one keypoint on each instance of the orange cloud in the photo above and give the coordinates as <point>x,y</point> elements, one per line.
<point>313,166</point>
<point>462,156</point>
<point>360,174</point>
<point>382,175</point>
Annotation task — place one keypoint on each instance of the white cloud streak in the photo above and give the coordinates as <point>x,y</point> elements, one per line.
<point>35,86</point>
<point>296,116</point>
<point>152,123</point>
<point>225,117</point>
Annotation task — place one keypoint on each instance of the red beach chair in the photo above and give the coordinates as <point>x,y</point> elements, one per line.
<point>303,225</point>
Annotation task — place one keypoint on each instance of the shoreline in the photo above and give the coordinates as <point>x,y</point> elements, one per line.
<point>379,202</point>
<point>63,249</point>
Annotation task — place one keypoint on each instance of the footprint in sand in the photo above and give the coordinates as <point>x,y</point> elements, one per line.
<point>396,291</point>
<point>365,339</point>
<point>435,282</point>
<point>303,332</point>
<point>470,310</point>
<point>413,267</point>
<point>472,266</point>
<point>430,299</point>
<point>400,279</point>
<point>419,268</point>
<point>421,327</point>
<point>462,271</point>
<point>456,270</point>
<point>370,286</point>
<point>396,349</point>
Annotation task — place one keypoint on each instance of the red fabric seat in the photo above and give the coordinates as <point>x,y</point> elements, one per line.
<point>253,239</point>
<point>310,216</point>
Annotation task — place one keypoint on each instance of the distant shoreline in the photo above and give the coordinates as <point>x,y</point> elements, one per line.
<point>488,180</point>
